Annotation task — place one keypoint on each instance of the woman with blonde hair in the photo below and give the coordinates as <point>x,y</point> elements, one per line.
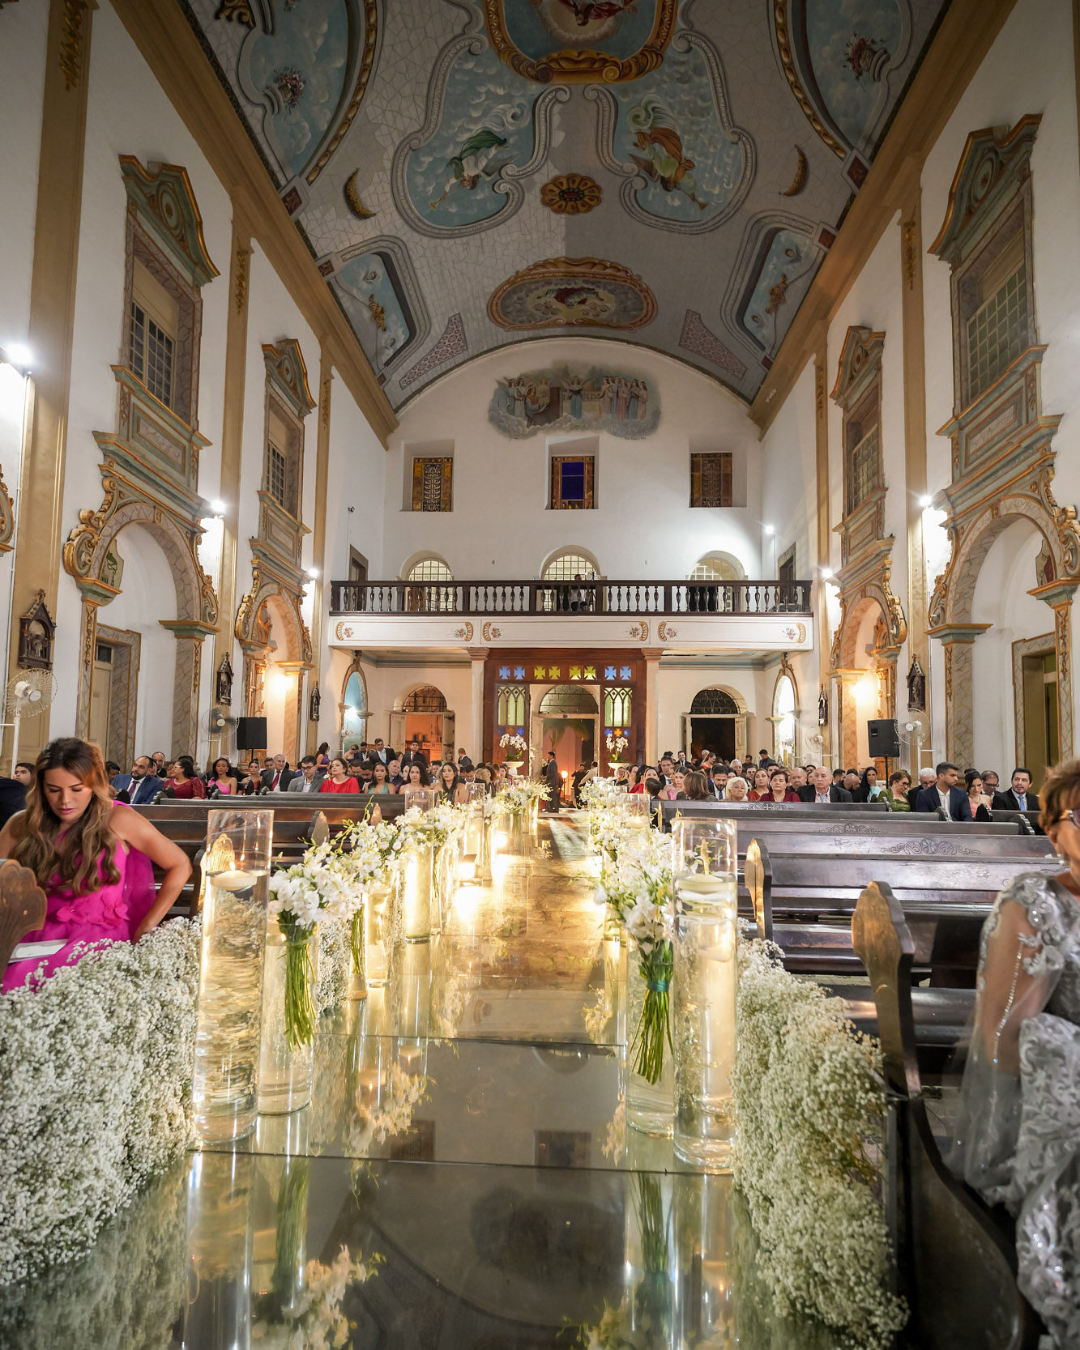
<point>93,857</point>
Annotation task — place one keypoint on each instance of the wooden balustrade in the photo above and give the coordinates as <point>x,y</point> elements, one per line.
<point>570,599</point>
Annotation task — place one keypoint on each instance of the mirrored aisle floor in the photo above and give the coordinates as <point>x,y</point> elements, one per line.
<point>462,1179</point>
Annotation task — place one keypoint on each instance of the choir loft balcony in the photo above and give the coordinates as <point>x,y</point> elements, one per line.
<point>674,616</point>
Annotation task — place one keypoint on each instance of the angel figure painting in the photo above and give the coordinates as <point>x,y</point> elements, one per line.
<point>662,158</point>
<point>563,398</point>
<point>476,159</point>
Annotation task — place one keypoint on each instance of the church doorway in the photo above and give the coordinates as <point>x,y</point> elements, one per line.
<point>354,711</point>
<point>716,723</point>
<point>423,716</point>
<point>1035,689</point>
<point>569,719</point>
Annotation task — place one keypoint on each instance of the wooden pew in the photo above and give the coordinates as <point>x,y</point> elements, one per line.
<point>787,810</point>
<point>22,907</point>
<point>955,1257</point>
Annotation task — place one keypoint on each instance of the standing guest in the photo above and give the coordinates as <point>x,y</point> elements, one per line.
<point>413,756</point>
<point>761,785</point>
<point>338,779</point>
<point>451,787</point>
<point>277,776</point>
<point>822,791</point>
<point>763,759</point>
<point>380,780</point>
<point>945,794</point>
<point>779,791</point>
<point>382,752</point>
<point>737,767</point>
<point>309,779</point>
<point>93,857</point>
<point>553,778</point>
<point>322,755</point>
<point>1018,794</point>
<point>223,777</point>
<point>990,782</point>
<point>977,798</point>
<point>736,789</point>
<point>23,773</point>
<point>897,791</point>
<point>417,776</point>
<point>184,781</point>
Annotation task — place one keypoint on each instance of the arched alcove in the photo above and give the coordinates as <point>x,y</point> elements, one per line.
<point>421,713</point>
<point>716,721</point>
<point>354,708</point>
<point>785,716</point>
<point>566,719</point>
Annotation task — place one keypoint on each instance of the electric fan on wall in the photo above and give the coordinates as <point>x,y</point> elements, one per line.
<point>29,693</point>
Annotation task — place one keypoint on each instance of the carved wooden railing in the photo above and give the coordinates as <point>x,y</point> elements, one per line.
<point>570,599</point>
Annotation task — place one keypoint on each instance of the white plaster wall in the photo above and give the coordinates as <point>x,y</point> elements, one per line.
<point>676,685</point>
<point>500,527</point>
<point>22,78</point>
<point>127,113</point>
<point>389,682</point>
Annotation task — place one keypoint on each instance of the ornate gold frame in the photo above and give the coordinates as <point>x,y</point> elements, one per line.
<point>582,67</point>
<point>597,270</point>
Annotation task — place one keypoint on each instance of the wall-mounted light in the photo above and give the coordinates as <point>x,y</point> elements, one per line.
<point>769,529</point>
<point>217,508</point>
<point>827,573</point>
<point>925,501</point>
<point>313,573</point>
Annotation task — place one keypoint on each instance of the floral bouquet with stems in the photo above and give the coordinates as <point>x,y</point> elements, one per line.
<point>321,886</point>
<point>393,1115</point>
<point>638,890</point>
<point>517,800</point>
<point>514,745</point>
<point>367,851</point>
<point>616,744</point>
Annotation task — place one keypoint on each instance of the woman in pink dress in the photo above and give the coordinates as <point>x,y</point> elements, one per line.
<point>93,858</point>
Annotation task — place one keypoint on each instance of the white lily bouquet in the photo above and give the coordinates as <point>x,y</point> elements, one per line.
<point>514,745</point>
<point>320,887</point>
<point>616,744</point>
<point>638,890</point>
<point>517,800</point>
<point>370,852</point>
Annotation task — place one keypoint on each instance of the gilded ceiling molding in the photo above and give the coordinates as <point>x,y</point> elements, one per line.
<point>363,75</point>
<point>787,65</point>
<point>164,200</point>
<point>572,293</point>
<point>634,179</point>
<point>571,194</point>
<point>584,65</point>
<point>288,374</point>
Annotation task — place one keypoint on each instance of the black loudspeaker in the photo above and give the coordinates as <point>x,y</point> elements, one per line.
<point>884,738</point>
<point>251,733</point>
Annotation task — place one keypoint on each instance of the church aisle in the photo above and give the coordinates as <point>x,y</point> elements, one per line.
<point>463,1177</point>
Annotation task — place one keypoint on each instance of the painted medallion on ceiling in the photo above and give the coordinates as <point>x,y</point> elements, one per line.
<point>573,293</point>
<point>565,398</point>
<point>580,41</point>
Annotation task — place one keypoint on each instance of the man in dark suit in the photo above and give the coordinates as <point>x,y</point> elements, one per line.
<point>381,752</point>
<point>553,778</point>
<point>141,785</point>
<point>944,793</point>
<point>12,799</point>
<point>278,776</point>
<point>822,790</point>
<point>927,778</point>
<point>1019,797</point>
<point>412,756</point>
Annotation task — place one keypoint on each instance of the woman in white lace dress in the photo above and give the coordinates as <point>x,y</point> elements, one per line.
<point>1018,1136</point>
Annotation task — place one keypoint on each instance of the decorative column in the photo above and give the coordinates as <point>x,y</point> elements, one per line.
<point>92,597</point>
<point>1058,595</point>
<point>232,428</point>
<point>824,533</point>
<point>294,707</point>
<point>318,538</point>
<point>478,660</point>
<point>651,710</point>
<point>846,740</point>
<point>52,314</point>
<point>185,714</point>
<point>957,639</point>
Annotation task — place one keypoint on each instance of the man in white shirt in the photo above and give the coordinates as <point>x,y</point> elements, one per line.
<point>309,779</point>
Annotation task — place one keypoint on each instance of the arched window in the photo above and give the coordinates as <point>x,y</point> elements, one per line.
<point>354,718</point>
<point>616,709</point>
<point>567,565</point>
<point>429,569</point>
<point>430,586</point>
<point>425,699</point>
<point>715,567</point>
<point>510,705</point>
<point>715,701</point>
<point>569,699</point>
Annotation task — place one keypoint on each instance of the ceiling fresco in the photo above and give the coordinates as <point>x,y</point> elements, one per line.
<point>469,173</point>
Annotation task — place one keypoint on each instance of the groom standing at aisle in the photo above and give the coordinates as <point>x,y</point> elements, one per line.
<point>553,778</point>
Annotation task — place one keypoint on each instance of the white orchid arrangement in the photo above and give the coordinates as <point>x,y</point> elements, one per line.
<point>514,745</point>
<point>809,1096</point>
<point>401,1095</point>
<point>518,800</point>
<point>616,744</point>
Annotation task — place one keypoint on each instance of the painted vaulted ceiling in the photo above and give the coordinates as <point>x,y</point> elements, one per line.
<point>469,173</point>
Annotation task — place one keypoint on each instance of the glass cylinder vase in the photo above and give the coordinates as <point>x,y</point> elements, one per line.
<point>220,1203</point>
<point>286,1068</point>
<point>650,1107</point>
<point>704,988</point>
<point>418,882</point>
<point>358,951</point>
<point>378,934</point>
<point>236,867</point>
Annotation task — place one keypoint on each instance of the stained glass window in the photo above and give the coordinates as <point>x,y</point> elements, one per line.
<point>710,480</point>
<point>509,705</point>
<point>538,673</point>
<point>572,483</point>
<point>433,481</point>
<point>609,673</point>
<point>504,672</point>
<point>617,707</point>
<point>554,672</point>
<point>575,672</point>
<point>590,673</point>
<point>625,673</point>
<point>519,672</point>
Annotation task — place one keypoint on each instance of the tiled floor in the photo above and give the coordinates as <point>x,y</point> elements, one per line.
<point>466,1128</point>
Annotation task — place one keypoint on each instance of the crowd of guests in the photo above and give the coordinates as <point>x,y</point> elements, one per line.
<point>973,796</point>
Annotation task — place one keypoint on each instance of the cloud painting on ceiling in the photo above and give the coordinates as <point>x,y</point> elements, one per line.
<point>566,398</point>
<point>471,173</point>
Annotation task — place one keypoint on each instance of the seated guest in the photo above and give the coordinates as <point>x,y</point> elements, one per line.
<point>23,773</point>
<point>990,782</point>
<point>779,790</point>
<point>161,767</point>
<point>352,754</point>
<point>677,785</point>
<point>139,786</point>
<point>696,787</point>
<point>821,790</point>
<point>393,773</point>
<point>222,776</point>
<point>1016,1138</point>
<point>417,775</point>
<point>927,778</point>
<point>363,773</point>
<point>277,775</point>
<point>339,779</point>
<point>797,778</point>
<point>851,782</point>
<point>252,778</point>
<point>483,775</point>
<point>896,793</point>
<point>183,781</point>
<point>309,779</point>
<point>868,789</point>
<point>1017,796</point>
<point>13,798</point>
<point>380,781</point>
<point>944,793</point>
<point>977,798</point>
<point>761,785</point>
<point>736,789</point>
<point>93,857</point>
<point>451,787</point>
<point>720,777</point>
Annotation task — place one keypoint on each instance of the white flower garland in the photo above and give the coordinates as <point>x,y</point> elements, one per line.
<point>95,1092</point>
<point>808,1093</point>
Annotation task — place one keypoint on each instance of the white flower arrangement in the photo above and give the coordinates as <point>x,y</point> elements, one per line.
<point>514,745</point>
<point>399,1099</point>
<point>808,1093</point>
<point>616,744</point>
<point>518,800</point>
<point>316,1320</point>
<point>95,1091</point>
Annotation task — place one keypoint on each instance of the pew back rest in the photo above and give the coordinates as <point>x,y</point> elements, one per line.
<point>22,907</point>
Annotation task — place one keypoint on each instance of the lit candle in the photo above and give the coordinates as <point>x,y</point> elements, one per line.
<point>233,881</point>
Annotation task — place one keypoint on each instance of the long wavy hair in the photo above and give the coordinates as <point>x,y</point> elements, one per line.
<point>89,841</point>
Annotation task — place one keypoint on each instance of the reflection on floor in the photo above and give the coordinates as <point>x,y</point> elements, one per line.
<point>463,1177</point>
